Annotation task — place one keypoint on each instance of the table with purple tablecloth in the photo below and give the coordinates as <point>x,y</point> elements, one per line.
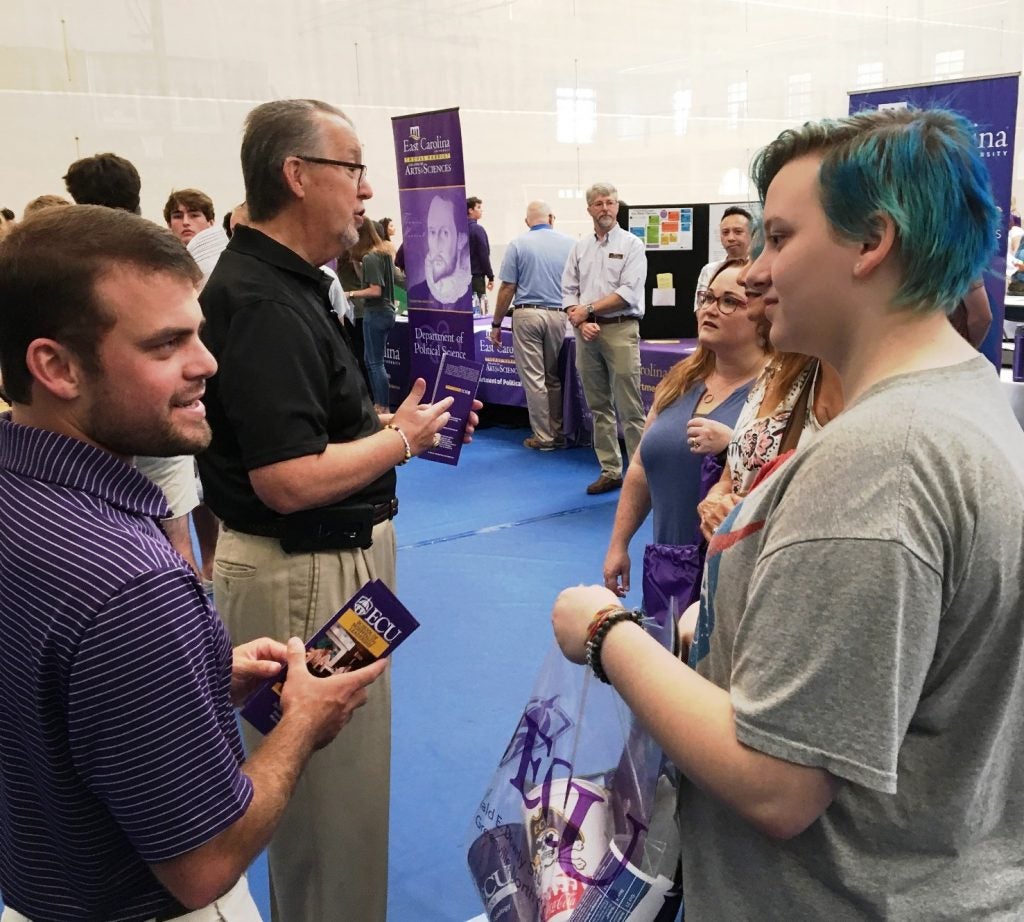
<point>499,383</point>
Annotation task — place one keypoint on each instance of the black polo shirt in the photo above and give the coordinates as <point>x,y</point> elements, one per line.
<point>287,382</point>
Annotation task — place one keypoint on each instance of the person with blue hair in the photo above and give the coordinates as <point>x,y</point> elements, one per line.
<point>847,725</point>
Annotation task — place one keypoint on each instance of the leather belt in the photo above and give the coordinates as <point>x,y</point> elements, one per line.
<point>379,513</point>
<point>385,511</point>
<point>539,307</point>
<point>622,318</point>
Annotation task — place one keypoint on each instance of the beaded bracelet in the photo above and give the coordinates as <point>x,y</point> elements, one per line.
<point>596,641</point>
<point>599,617</point>
<point>405,442</point>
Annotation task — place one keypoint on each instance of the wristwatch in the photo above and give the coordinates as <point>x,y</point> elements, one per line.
<point>591,316</point>
<point>496,326</point>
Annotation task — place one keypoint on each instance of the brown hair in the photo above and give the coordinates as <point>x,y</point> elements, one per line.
<point>190,200</point>
<point>104,179</point>
<point>695,367</point>
<point>369,242</point>
<point>49,267</point>
<point>786,368</point>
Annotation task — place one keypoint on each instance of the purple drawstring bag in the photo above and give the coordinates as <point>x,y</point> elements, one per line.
<point>672,572</point>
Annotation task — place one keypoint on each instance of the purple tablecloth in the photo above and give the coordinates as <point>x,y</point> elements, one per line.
<point>499,382</point>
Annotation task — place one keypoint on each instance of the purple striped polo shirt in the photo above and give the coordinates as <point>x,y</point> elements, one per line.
<point>118,741</point>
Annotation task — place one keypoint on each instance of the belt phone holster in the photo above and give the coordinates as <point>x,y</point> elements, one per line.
<point>332,528</point>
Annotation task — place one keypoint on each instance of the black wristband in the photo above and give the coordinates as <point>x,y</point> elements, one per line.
<point>495,326</point>
<point>597,641</point>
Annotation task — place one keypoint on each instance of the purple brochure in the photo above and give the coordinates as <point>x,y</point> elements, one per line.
<point>458,378</point>
<point>367,628</point>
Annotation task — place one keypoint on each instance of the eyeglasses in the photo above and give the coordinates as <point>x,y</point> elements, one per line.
<point>360,168</point>
<point>727,303</point>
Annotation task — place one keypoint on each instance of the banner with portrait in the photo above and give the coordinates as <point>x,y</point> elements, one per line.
<point>435,234</point>
<point>991,105</point>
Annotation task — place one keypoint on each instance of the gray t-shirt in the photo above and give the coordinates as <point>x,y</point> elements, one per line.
<point>864,608</point>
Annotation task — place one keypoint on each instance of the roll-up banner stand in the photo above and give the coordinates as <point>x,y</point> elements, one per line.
<point>435,233</point>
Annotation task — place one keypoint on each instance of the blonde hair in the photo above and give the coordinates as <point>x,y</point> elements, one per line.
<point>785,369</point>
<point>44,201</point>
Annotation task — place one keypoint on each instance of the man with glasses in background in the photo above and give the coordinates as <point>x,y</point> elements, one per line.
<point>603,294</point>
<point>301,472</point>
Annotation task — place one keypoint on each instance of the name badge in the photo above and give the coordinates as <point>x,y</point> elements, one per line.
<point>615,256</point>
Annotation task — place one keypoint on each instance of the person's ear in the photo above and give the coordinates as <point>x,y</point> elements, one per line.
<point>879,244</point>
<point>295,176</point>
<point>55,368</point>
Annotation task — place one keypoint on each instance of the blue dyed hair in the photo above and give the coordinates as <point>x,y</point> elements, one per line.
<point>918,166</point>
<point>756,238</point>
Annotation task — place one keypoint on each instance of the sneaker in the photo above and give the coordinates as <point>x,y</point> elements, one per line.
<point>604,484</point>
<point>537,445</point>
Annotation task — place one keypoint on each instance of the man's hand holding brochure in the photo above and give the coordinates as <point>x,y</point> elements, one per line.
<point>347,654</point>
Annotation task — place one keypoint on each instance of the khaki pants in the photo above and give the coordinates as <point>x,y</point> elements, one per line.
<point>609,368</point>
<point>234,906</point>
<point>329,856</point>
<point>537,337</point>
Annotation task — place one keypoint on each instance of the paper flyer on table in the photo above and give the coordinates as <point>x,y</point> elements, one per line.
<point>368,627</point>
<point>458,378</point>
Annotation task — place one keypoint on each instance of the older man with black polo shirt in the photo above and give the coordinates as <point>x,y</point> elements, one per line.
<point>123,794</point>
<point>301,473</point>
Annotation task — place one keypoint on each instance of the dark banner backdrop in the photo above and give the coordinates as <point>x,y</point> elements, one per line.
<point>991,105</point>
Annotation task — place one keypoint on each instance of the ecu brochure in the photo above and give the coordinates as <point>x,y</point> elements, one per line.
<point>458,378</point>
<point>368,627</point>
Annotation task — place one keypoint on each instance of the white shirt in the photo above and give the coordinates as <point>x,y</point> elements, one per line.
<point>597,268</point>
<point>206,247</point>
<point>340,303</point>
<point>704,279</point>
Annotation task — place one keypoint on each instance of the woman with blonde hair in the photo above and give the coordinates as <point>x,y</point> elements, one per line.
<point>694,409</point>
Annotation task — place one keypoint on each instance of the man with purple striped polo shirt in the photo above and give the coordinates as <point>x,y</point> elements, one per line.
<point>124,796</point>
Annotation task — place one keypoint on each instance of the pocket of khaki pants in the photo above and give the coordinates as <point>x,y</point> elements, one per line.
<point>229,569</point>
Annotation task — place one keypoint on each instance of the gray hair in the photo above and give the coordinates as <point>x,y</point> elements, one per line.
<point>600,189</point>
<point>274,131</point>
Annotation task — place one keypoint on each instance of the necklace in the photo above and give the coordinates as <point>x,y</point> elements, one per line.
<point>727,388</point>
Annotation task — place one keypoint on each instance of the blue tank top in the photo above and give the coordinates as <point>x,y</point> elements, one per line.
<point>673,471</point>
